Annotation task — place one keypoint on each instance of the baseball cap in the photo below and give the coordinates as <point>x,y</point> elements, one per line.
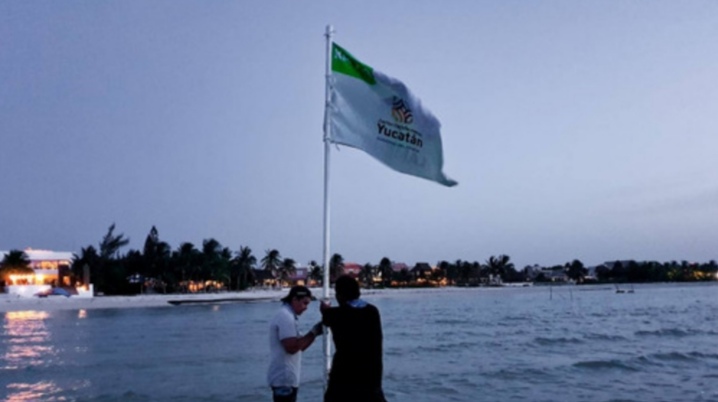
<point>297,291</point>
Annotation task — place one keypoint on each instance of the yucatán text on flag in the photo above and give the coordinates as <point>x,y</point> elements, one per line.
<point>379,115</point>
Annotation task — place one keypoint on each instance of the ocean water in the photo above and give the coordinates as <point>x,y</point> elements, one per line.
<point>566,343</point>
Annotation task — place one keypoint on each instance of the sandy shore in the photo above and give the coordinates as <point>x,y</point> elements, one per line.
<point>14,303</point>
<point>53,303</point>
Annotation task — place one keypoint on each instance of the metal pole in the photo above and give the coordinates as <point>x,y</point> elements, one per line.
<point>327,143</point>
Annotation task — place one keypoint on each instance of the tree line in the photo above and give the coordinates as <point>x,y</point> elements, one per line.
<point>213,267</point>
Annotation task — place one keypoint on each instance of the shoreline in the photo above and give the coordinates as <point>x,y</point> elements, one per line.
<point>11,303</point>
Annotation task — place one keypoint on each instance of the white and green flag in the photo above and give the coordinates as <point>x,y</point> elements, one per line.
<point>379,115</point>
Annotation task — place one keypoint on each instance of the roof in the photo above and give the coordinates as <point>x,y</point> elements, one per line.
<point>399,266</point>
<point>43,255</point>
<point>352,267</point>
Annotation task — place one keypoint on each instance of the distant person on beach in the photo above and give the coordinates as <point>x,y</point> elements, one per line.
<point>357,367</point>
<point>286,344</point>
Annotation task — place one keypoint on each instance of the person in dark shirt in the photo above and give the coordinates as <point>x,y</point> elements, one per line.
<point>357,367</point>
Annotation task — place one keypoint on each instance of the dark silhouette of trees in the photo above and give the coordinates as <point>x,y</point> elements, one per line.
<point>336,267</point>
<point>386,271</point>
<point>243,272</point>
<point>576,271</point>
<point>316,273</point>
<point>287,268</point>
<point>271,261</point>
<point>368,272</point>
<point>15,262</point>
<point>214,267</point>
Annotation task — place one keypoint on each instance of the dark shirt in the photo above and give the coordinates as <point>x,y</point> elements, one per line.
<point>357,363</point>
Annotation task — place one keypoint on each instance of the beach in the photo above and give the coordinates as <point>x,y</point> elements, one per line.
<point>53,303</point>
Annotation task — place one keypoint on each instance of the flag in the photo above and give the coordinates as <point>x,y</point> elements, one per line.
<point>378,114</point>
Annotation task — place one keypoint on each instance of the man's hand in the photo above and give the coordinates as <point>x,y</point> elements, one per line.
<point>317,329</point>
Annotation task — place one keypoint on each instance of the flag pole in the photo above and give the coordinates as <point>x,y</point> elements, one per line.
<point>327,148</point>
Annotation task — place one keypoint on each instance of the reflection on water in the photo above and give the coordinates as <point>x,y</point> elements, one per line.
<point>27,338</point>
<point>27,343</point>
<point>31,392</point>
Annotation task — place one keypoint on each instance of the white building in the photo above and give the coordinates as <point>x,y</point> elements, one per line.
<point>51,268</point>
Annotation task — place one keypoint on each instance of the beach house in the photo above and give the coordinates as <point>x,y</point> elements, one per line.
<point>50,269</point>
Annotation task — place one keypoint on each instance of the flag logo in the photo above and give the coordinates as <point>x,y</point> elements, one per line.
<point>357,114</point>
<point>400,112</point>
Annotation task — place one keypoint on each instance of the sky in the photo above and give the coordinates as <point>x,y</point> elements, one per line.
<point>576,130</point>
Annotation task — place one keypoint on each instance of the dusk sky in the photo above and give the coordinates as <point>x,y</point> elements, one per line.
<point>576,129</point>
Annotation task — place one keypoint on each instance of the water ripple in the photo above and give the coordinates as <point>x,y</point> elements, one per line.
<point>669,332</point>
<point>557,341</point>
<point>598,365</point>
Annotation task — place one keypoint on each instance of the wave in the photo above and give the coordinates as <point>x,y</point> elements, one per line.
<point>449,321</point>
<point>535,375</point>
<point>451,346</point>
<point>669,332</point>
<point>605,337</point>
<point>557,341</point>
<point>611,364</point>
<point>691,356</point>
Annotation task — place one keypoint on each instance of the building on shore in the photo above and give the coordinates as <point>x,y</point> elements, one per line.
<point>51,269</point>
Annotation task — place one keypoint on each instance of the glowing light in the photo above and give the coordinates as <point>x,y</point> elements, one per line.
<point>28,340</point>
<point>31,392</point>
<point>15,278</point>
<point>26,315</point>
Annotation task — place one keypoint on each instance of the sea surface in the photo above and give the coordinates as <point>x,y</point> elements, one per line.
<point>568,343</point>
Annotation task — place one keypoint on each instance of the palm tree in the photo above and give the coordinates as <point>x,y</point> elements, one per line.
<point>476,271</point>
<point>211,249</point>
<point>162,268</point>
<point>445,271</point>
<point>223,268</point>
<point>109,274</point>
<point>215,261</point>
<point>15,262</point>
<point>499,265</point>
<point>86,264</point>
<point>111,244</point>
<point>336,266</point>
<point>287,268</point>
<point>271,261</point>
<point>156,253</point>
<point>316,273</point>
<point>386,271</point>
<point>367,275</point>
<point>244,263</point>
<point>186,262</point>
<point>156,259</point>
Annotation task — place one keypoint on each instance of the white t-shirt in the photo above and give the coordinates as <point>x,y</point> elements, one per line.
<point>284,369</point>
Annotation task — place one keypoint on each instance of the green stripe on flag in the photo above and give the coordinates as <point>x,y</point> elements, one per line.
<point>345,63</point>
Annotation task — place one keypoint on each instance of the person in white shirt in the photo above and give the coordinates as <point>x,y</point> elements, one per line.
<point>286,344</point>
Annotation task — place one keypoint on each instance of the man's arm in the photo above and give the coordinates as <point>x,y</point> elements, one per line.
<point>298,344</point>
